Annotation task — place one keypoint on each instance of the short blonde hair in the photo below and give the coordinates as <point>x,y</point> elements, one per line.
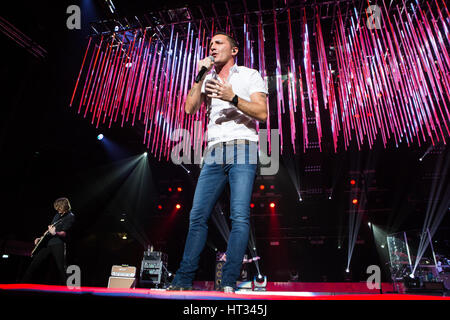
<point>62,203</point>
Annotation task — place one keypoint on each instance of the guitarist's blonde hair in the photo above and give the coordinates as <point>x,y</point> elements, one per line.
<point>62,203</point>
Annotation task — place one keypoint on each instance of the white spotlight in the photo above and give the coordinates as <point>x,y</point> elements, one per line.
<point>111,6</point>
<point>100,136</point>
<point>145,154</point>
<point>259,283</point>
<point>347,270</point>
<point>382,246</point>
<point>5,256</point>
<point>369,224</point>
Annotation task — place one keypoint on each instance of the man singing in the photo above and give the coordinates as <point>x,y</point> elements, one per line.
<point>235,98</point>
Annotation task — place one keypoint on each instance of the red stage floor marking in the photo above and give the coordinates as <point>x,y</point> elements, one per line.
<point>205,295</point>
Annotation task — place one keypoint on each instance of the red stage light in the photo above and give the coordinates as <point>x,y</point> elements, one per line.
<point>179,189</point>
<point>178,206</point>
<point>352,182</point>
<point>252,205</point>
<point>261,187</point>
<point>355,201</point>
<point>272,205</point>
<point>170,189</point>
<point>160,207</point>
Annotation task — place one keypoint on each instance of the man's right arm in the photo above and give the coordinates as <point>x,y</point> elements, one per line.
<point>195,96</point>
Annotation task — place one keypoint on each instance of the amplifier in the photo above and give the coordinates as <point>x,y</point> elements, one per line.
<point>153,269</point>
<point>146,264</point>
<point>122,283</point>
<point>123,271</point>
<point>155,256</point>
<point>123,276</point>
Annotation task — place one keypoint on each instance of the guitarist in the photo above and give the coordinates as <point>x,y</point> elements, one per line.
<point>53,242</point>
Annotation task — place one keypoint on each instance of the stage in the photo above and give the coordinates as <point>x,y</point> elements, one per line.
<point>334,291</point>
<point>195,304</point>
<point>318,154</point>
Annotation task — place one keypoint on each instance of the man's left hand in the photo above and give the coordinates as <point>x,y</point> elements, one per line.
<point>218,90</point>
<point>52,230</point>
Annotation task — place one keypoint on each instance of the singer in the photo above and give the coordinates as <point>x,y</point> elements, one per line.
<point>235,99</point>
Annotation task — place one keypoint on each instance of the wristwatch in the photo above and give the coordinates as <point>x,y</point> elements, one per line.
<point>234,101</point>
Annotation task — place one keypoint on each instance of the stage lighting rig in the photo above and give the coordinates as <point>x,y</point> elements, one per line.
<point>259,283</point>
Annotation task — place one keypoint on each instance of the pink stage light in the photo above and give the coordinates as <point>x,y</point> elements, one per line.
<point>389,84</point>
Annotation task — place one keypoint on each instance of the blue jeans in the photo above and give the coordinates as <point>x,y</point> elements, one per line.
<point>222,165</point>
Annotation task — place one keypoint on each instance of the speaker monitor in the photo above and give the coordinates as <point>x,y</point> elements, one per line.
<point>218,274</point>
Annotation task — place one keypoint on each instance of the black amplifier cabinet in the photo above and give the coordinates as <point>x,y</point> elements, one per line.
<point>153,271</point>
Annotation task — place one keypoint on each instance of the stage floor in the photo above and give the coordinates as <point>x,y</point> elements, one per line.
<point>161,294</point>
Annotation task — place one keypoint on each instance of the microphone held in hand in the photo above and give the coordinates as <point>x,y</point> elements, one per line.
<point>202,71</point>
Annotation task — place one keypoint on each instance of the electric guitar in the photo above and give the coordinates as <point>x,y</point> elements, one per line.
<point>40,243</point>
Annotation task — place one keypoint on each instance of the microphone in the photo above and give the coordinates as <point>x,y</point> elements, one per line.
<point>202,71</point>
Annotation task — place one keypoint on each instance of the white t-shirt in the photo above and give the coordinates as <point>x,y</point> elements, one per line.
<point>234,124</point>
